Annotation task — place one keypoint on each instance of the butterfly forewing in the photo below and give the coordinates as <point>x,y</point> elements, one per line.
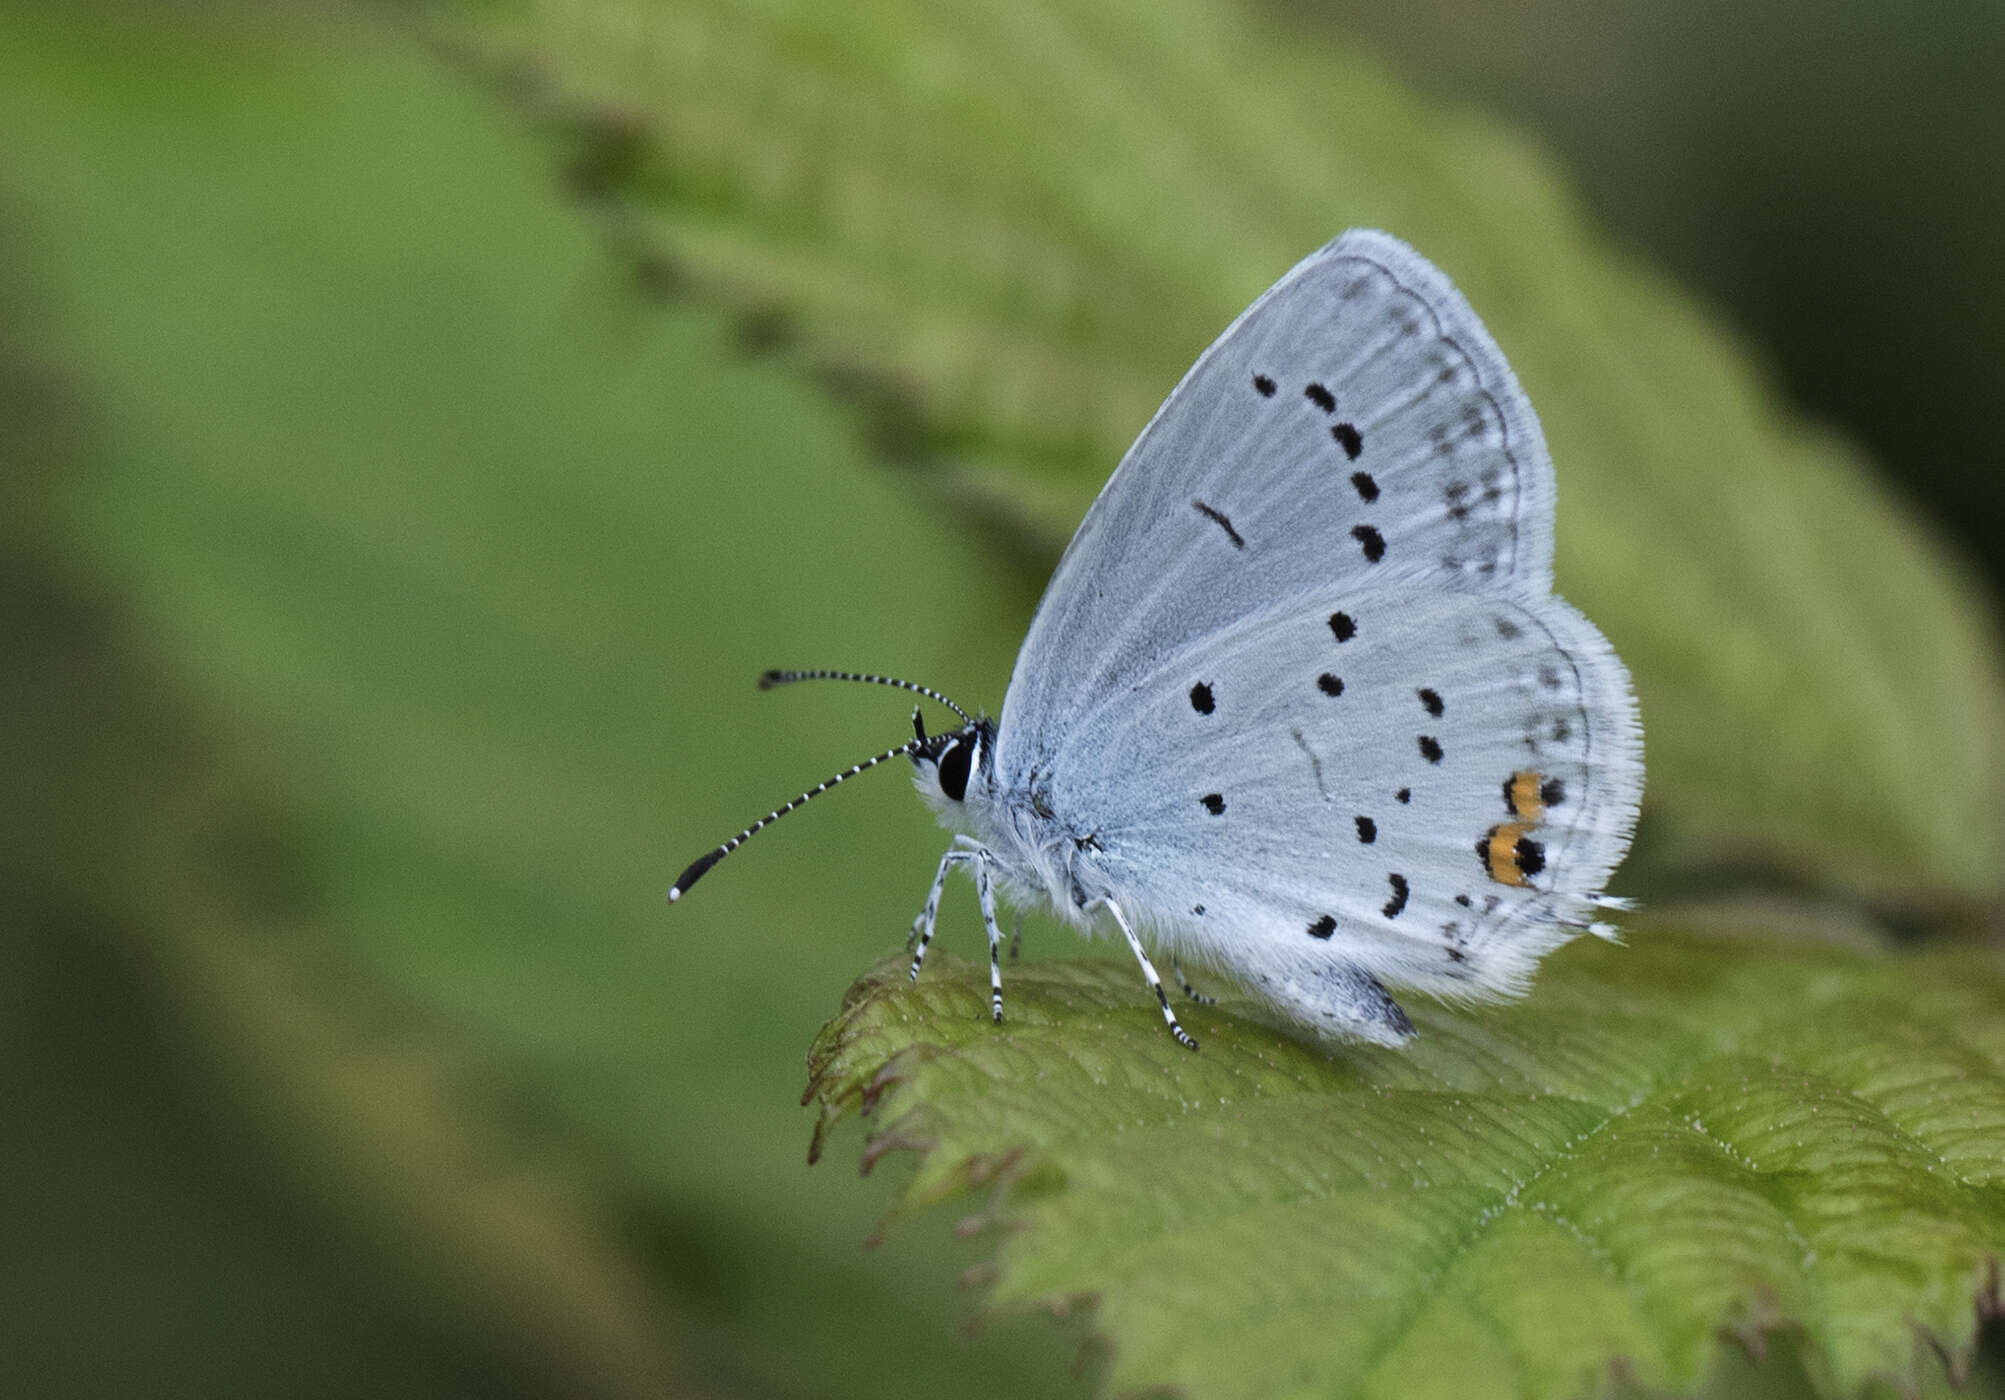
<point>1355,424</point>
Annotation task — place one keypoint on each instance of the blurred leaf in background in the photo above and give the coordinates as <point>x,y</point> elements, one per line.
<point>389,563</point>
<point>1818,169</point>
<point>1030,218</point>
<point>434,578</point>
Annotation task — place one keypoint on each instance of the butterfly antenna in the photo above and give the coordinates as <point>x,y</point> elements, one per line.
<point>710,858</point>
<point>773,678</point>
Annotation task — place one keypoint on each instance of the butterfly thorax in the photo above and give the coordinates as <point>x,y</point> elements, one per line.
<point>1032,851</point>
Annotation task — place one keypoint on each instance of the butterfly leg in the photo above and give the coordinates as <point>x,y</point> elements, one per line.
<point>1193,993</point>
<point>1149,972</point>
<point>985,892</point>
<point>1016,937</point>
<point>922,927</point>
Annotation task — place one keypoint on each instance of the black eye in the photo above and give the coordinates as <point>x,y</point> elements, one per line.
<point>954,765</point>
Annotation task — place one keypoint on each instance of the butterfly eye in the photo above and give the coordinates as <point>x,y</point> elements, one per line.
<point>954,765</point>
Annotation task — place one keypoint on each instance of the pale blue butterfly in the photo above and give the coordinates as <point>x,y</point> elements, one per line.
<point>1299,705</point>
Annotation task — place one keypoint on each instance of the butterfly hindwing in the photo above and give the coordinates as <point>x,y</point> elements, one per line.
<point>1425,788</point>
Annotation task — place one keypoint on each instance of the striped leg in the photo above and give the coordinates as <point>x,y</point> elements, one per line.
<point>922,927</point>
<point>1193,993</point>
<point>985,892</point>
<point>1149,972</point>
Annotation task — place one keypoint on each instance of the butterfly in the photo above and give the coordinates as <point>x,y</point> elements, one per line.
<point>1299,705</point>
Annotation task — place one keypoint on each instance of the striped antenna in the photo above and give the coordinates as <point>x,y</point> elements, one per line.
<point>773,678</point>
<point>710,858</point>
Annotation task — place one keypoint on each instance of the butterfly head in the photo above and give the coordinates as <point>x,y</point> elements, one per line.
<point>951,767</point>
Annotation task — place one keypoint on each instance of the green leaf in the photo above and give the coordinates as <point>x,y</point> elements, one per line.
<point>1016,224</point>
<point>1700,1136</point>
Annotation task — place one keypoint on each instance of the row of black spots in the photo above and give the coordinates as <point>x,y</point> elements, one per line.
<point>1214,803</point>
<point>1346,435</point>
<point>1397,903</point>
<point>1430,700</point>
<point>1367,489</point>
<point>1201,699</point>
<point>1342,626</point>
<point>1370,541</point>
<point>1490,903</point>
<point>1315,393</point>
<point>1430,748</point>
<point>1330,685</point>
<point>1367,830</point>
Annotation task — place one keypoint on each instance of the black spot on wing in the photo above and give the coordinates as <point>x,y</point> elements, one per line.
<point>1322,398</point>
<point>1219,518</point>
<point>1552,792</point>
<point>1531,856</point>
<point>1342,626</point>
<point>1200,699</point>
<point>1323,927</point>
<point>1398,900</point>
<point>1349,439</point>
<point>1431,699</point>
<point>1214,803</point>
<point>1430,748</point>
<point>1370,541</point>
<point>1367,831</point>
<point>1403,795</point>
<point>1366,488</point>
<point>1263,386</point>
<point>1329,684</point>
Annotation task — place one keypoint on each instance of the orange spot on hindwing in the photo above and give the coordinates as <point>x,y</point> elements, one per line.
<point>1499,852</point>
<point>1509,854</point>
<point>1521,795</point>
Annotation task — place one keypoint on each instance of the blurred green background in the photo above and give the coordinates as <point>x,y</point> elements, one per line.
<point>383,583</point>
